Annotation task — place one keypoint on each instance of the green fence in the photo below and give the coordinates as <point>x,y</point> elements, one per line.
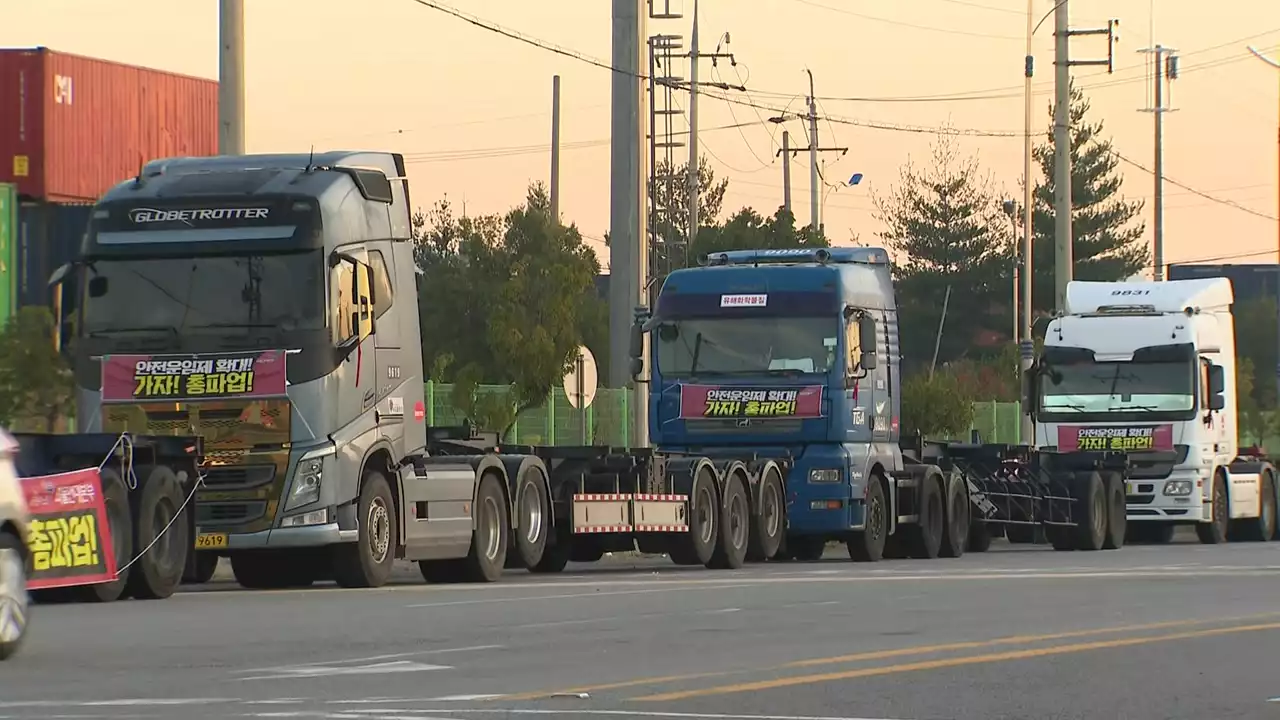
<point>608,422</point>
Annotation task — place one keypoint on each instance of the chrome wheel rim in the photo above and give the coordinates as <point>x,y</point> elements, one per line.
<point>531,509</point>
<point>13,597</point>
<point>492,538</point>
<point>379,531</point>
<point>771,505</point>
<point>738,520</point>
<point>706,505</point>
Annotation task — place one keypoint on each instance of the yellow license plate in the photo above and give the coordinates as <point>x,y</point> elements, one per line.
<point>211,541</point>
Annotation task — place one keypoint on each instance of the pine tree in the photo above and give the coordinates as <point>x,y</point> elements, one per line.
<point>946,227</point>
<point>1106,228</point>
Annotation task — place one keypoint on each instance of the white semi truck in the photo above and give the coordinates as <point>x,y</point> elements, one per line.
<point>1149,368</point>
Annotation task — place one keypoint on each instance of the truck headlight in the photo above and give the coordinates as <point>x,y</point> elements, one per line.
<point>825,475</point>
<point>307,477</point>
<point>1177,488</point>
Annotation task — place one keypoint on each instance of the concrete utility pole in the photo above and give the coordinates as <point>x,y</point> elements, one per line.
<point>1164,68</point>
<point>555,148</point>
<point>231,77</point>
<point>628,232</point>
<point>814,148</point>
<point>785,152</point>
<point>692,169</point>
<point>1026,346</point>
<point>1064,262</point>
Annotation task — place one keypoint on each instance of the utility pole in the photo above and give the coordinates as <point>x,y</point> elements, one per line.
<point>555,148</point>
<point>1064,263</point>
<point>692,169</point>
<point>231,77</point>
<point>785,152</point>
<point>1164,68</point>
<point>814,148</point>
<point>628,227</point>
<point>1026,345</point>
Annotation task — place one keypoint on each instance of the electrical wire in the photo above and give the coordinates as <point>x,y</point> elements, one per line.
<point>903,23</point>
<point>1194,191</point>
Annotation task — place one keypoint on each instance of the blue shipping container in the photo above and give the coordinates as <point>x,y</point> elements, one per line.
<point>1248,281</point>
<point>49,235</point>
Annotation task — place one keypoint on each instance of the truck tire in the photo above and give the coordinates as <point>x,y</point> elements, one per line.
<point>768,524</point>
<point>15,604</point>
<point>1263,528</point>
<point>1090,516</point>
<point>979,539</point>
<point>735,527</point>
<point>954,540</point>
<point>868,544</point>
<point>206,565</point>
<point>160,537</point>
<point>1214,532</point>
<point>554,559</point>
<point>115,497</point>
<point>489,539</point>
<point>1117,511</point>
<point>534,520</point>
<point>924,538</point>
<point>272,569</point>
<point>698,545</point>
<point>367,562</point>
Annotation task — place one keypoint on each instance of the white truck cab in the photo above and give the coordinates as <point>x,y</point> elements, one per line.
<point>1149,368</point>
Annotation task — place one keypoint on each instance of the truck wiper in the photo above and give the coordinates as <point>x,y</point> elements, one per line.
<point>147,328</point>
<point>1127,408</point>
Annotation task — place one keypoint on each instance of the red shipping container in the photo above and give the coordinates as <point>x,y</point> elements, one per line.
<point>71,127</point>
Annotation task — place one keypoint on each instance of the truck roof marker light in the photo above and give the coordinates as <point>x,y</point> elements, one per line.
<point>798,256</point>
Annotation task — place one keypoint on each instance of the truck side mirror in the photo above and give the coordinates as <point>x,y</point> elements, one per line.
<point>637,341</point>
<point>1216,387</point>
<point>1031,389</point>
<point>868,334</point>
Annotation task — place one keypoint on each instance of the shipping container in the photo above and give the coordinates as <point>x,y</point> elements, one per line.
<point>1248,282</point>
<point>49,234</point>
<point>71,126</point>
<point>8,256</point>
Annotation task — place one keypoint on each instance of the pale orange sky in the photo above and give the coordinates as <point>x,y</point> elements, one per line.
<point>471,109</point>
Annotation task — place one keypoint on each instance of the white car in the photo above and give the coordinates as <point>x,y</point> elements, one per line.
<point>14,601</point>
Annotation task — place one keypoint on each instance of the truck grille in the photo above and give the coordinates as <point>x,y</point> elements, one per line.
<point>238,477</point>
<point>229,512</point>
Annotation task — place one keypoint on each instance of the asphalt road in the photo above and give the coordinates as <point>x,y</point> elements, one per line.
<point>1144,633</point>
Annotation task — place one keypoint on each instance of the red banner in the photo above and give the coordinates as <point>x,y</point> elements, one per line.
<point>69,537</point>
<point>1121,439</point>
<point>739,402</point>
<point>143,378</point>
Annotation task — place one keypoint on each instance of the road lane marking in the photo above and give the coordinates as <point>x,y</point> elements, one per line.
<point>566,596</point>
<point>952,662</point>
<point>378,658</point>
<point>894,652</point>
<point>635,714</point>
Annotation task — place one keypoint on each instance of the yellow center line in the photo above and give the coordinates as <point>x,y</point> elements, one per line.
<point>952,662</point>
<point>896,652</point>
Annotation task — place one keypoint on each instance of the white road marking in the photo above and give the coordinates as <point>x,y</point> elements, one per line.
<point>135,702</point>
<point>566,596</point>
<point>371,659</point>
<point>619,713</point>
<point>318,671</point>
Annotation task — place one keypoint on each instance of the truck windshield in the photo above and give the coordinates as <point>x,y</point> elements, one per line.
<point>280,290</point>
<point>746,346</point>
<point>1093,388</point>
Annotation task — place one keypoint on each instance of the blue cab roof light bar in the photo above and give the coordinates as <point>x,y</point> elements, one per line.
<point>791,256</point>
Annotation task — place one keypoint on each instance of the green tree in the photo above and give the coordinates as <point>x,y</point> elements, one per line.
<point>748,230</point>
<point>36,386</point>
<point>501,298</point>
<point>1255,322</point>
<point>1106,228</point>
<point>946,226</point>
<point>936,405</point>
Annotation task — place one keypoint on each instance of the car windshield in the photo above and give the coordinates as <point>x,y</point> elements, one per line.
<point>1118,387</point>
<point>746,346</point>
<point>282,290</point>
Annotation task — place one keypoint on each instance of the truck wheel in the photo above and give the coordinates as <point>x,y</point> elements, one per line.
<point>367,562</point>
<point>698,545</point>
<point>1264,527</point>
<point>554,558</point>
<point>735,528</point>
<point>206,565</point>
<point>1215,531</point>
<point>767,523</point>
<point>1117,511</point>
<point>953,541</point>
<point>489,539</point>
<point>15,604</point>
<point>1090,531</point>
<point>535,520</point>
<point>115,498</point>
<point>979,539</point>
<point>868,545</point>
<point>924,539</point>
<point>161,537</point>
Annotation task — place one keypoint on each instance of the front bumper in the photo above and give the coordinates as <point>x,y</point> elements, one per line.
<point>1145,500</point>
<point>292,537</point>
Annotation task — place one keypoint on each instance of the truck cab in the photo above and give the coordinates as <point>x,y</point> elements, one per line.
<point>1149,369</point>
<point>788,354</point>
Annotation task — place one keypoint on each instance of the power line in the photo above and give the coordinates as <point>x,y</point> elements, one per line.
<point>1201,193</point>
<point>903,23</point>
